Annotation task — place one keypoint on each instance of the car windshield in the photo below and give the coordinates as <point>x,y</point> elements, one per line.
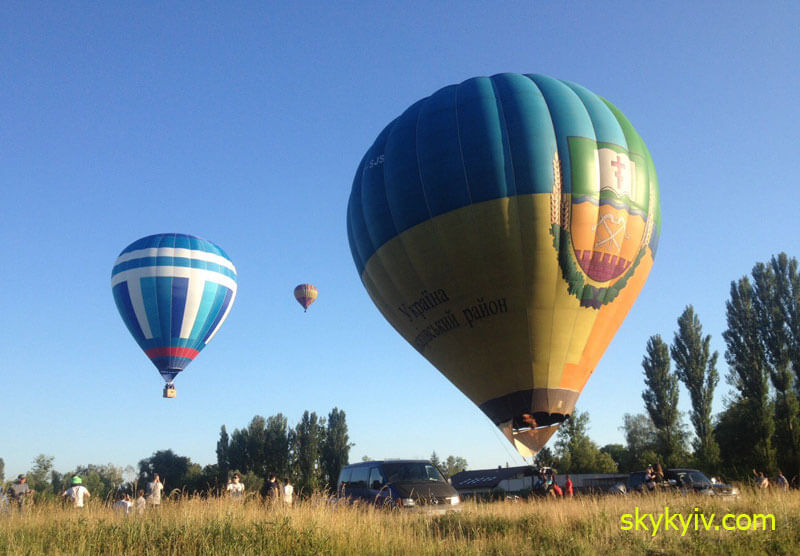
<point>692,477</point>
<point>415,472</point>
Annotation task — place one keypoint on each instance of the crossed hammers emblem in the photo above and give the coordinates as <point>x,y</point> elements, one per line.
<point>607,221</point>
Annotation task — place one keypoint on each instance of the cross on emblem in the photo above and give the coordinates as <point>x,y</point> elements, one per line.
<point>620,165</point>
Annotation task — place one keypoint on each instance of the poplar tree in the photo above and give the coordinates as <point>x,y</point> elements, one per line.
<point>774,308</point>
<point>696,367</point>
<point>306,443</point>
<point>222,455</point>
<point>661,401</point>
<point>748,374</point>
<point>335,450</point>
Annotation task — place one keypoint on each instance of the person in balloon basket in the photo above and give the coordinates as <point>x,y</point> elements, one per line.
<point>19,493</point>
<point>154,490</point>
<point>235,488</point>
<point>77,494</point>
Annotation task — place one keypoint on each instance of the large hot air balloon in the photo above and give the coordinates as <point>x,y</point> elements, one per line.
<point>173,291</point>
<point>305,294</point>
<point>504,226</point>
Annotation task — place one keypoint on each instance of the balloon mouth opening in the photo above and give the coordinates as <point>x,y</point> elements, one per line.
<point>537,420</point>
<point>169,375</point>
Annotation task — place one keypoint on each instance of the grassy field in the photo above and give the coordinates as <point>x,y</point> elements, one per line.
<point>559,527</point>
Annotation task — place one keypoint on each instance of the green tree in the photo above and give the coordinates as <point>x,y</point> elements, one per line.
<point>733,431</point>
<point>223,465</point>
<point>37,476</point>
<point>453,465</point>
<point>335,449</point>
<point>696,367</point>
<point>640,440</point>
<point>56,482</point>
<point>576,452</point>
<point>545,458</point>
<point>176,472</point>
<point>661,401</point>
<point>435,460</point>
<point>307,441</point>
<point>2,471</point>
<point>252,482</point>
<point>619,454</point>
<point>748,374</point>
<point>774,306</point>
<point>262,447</point>
<point>276,446</point>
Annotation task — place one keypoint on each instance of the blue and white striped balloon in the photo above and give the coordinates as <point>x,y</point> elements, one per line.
<point>173,291</point>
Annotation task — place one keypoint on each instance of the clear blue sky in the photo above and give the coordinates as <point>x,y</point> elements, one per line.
<point>244,123</point>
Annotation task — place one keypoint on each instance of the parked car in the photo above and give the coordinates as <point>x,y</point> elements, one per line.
<point>683,480</point>
<point>398,484</point>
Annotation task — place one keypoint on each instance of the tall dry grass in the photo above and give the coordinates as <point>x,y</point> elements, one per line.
<point>558,527</point>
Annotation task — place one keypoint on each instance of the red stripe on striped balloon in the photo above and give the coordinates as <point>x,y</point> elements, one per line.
<point>167,351</point>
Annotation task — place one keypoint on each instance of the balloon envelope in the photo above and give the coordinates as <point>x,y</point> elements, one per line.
<point>173,291</point>
<point>504,226</point>
<point>305,294</point>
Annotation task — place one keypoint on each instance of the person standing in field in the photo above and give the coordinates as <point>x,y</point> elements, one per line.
<point>123,504</point>
<point>568,487</point>
<point>19,492</point>
<point>3,501</point>
<point>557,489</point>
<point>235,488</point>
<point>141,503</point>
<point>154,490</point>
<point>650,478</point>
<point>288,491</point>
<point>77,493</point>
<point>781,481</point>
<point>273,488</point>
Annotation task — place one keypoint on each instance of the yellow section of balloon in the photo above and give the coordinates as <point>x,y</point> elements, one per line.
<point>479,292</point>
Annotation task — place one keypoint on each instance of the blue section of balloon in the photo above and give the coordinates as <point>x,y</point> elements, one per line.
<point>484,139</point>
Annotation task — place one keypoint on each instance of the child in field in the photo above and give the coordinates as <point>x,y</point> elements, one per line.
<point>77,493</point>
<point>123,504</point>
<point>141,503</point>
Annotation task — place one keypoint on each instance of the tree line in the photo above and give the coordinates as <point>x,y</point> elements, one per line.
<point>759,427</point>
<point>310,454</point>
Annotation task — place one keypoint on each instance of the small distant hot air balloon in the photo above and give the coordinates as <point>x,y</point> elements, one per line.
<point>504,226</point>
<point>305,294</point>
<point>173,291</point>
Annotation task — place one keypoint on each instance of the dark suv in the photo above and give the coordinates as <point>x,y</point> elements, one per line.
<point>683,480</point>
<point>406,484</point>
